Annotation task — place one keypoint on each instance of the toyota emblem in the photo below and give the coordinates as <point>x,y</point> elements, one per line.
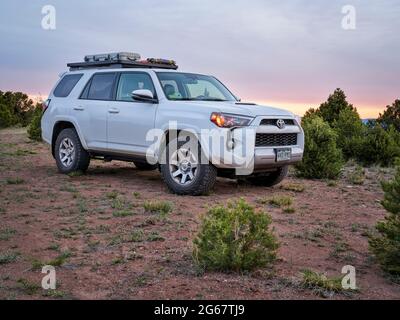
<point>280,123</point>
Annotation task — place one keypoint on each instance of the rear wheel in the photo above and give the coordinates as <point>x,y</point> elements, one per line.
<point>144,166</point>
<point>183,172</point>
<point>268,179</point>
<point>69,154</point>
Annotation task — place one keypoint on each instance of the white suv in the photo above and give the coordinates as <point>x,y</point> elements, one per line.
<point>118,107</point>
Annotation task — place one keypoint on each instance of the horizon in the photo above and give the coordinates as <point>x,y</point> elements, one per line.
<point>285,55</point>
<point>369,112</point>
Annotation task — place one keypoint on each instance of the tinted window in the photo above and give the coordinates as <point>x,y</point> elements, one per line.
<point>101,86</point>
<point>66,85</point>
<point>129,82</point>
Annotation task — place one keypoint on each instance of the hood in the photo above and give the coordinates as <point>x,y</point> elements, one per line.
<point>241,108</point>
<point>254,110</point>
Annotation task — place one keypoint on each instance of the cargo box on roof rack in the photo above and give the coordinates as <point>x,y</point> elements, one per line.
<point>114,56</point>
<point>121,60</point>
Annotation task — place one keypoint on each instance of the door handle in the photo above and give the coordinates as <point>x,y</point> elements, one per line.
<point>113,110</point>
<point>79,108</point>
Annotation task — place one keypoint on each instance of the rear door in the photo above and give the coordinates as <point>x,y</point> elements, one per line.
<point>93,107</point>
<point>130,120</point>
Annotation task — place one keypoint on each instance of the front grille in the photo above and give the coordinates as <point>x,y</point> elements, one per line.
<point>272,122</point>
<point>276,139</point>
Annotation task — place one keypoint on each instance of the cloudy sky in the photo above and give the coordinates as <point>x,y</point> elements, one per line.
<point>285,53</point>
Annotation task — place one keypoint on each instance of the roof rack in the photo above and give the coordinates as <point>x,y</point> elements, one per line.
<point>121,60</point>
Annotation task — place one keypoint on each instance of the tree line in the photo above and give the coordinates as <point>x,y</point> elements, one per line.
<point>335,133</point>
<point>17,109</point>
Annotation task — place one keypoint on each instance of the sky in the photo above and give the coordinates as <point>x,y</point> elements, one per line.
<point>289,54</point>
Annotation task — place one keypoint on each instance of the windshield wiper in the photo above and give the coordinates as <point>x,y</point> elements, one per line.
<point>194,99</point>
<point>213,99</point>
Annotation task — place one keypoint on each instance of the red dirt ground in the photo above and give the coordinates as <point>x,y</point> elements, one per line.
<point>47,213</point>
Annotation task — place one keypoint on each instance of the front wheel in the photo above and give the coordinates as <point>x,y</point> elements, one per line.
<point>184,174</point>
<point>69,154</point>
<point>268,179</point>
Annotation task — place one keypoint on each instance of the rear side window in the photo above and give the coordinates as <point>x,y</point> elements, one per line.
<point>101,86</point>
<point>66,85</point>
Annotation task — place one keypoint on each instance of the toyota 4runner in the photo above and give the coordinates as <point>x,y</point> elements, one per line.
<point>189,126</point>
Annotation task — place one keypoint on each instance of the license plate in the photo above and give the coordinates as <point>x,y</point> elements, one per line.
<point>283,154</point>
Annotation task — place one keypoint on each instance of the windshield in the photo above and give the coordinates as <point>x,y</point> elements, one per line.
<point>189,86</point>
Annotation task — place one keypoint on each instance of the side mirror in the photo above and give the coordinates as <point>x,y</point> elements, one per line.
<point>144,95</point>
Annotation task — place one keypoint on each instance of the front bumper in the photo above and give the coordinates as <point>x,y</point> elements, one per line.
<point>265,158</point>
<point>252,158</point>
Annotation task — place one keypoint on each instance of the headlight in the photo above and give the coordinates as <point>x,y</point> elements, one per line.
<point>226,120</point>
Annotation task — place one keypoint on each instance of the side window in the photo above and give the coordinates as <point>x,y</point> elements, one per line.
<point>129,82</point>
<point>101,87</point>
<point>66,85</point>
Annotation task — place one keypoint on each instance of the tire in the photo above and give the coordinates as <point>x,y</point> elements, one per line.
<point>68,141</point>
<point>204,176</point>
<point>144,166</point>
<point>268,179</point>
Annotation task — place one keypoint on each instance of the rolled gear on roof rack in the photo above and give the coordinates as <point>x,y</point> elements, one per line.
<point>161,61</point>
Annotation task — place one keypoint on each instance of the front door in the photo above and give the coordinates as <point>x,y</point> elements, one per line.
<point>128,120</point>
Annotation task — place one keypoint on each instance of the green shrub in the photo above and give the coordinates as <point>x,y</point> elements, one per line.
<point>391,116</point>
<point>386,245</point>
<point>161,207</point>
<point>350,132</point>
<point>322,159</point>
<point>320,283</point>
<point>34,129</point>
<point>136,236</point>
<point>280,201</point>
<point>8,257</point>
<point>15,109</point>
<point>357,176</point>
<point>6,117</point>
<point>330,110</point>
<point>27,286</point>
<point>380,146</point>
<point>295,187</point>
<point>235,238</point>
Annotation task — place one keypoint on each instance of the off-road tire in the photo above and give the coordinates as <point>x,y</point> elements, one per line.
<point>81,159</point>
<point>201,185</point>
<point>268,179</point>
